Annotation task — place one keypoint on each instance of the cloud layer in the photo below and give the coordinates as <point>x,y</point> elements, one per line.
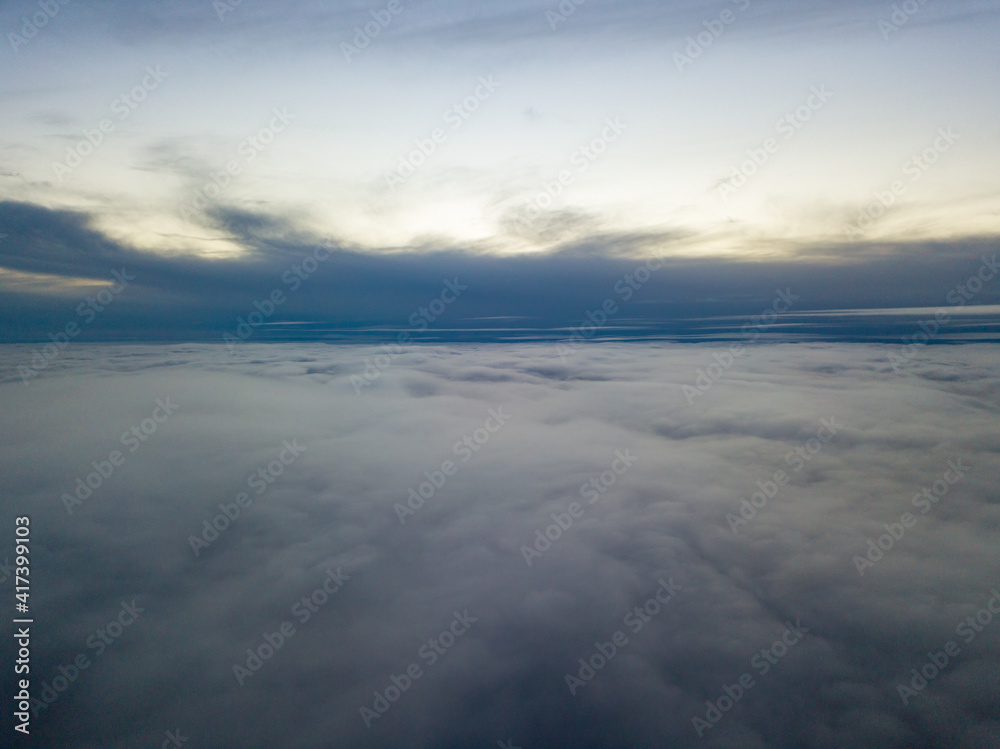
<point>332,291</point>
<point>664,513</point>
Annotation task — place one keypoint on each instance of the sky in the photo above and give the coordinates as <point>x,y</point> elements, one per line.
<point>212,144</point>
<point>519,373</point>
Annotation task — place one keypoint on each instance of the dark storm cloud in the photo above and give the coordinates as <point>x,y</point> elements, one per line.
<point>190,297</point>
<point>665,517</point>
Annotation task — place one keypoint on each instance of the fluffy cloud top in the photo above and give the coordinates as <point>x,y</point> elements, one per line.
<point>499,439</point>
